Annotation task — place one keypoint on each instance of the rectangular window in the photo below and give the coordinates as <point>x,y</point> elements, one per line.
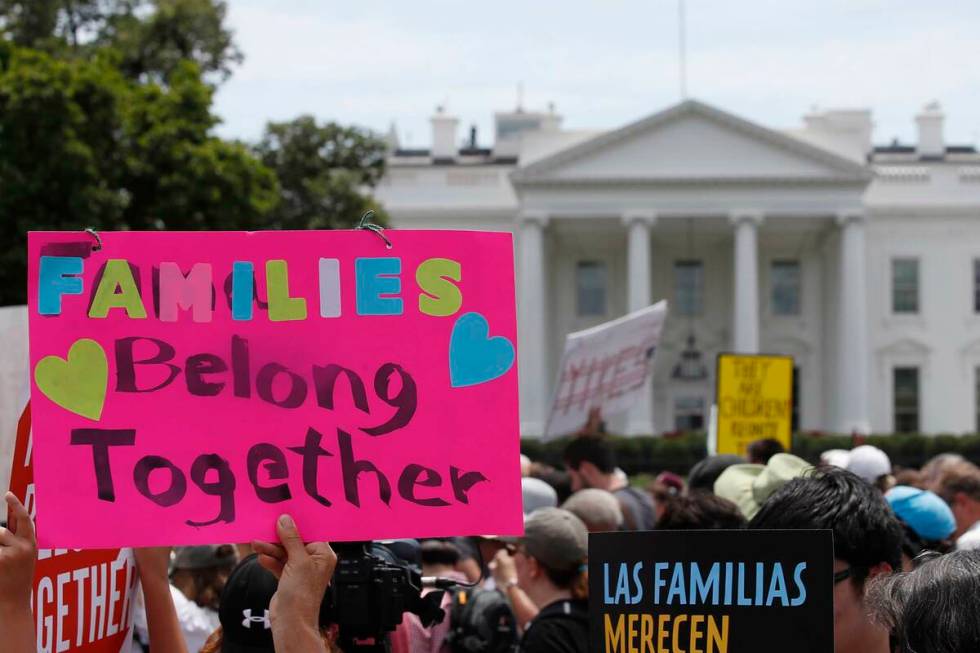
<point>906,398</point>
<point>688,287</point>
<point>688,414</point>
<point>590,283</point>
<point>905,285</point>
<point>976,285</point>
<point>784,279</point>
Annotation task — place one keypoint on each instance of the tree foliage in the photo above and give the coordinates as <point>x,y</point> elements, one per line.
<point>153,37</point>
<point>81,145</point>
<point>106,121</point>
<point>325,172</point>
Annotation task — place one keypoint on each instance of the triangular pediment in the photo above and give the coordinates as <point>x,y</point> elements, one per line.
<point>690,142</point>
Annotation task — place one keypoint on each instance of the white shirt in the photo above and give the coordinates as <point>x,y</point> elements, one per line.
<point>196,623</point>
<point>969,540</point>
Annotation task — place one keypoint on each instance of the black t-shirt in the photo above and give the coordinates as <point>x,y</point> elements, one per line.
<point>561,627</point>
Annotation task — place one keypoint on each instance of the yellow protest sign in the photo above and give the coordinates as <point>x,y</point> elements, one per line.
<point>755,400</point>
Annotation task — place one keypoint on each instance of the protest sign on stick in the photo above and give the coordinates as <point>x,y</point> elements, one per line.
<point>607,367</point>
<point>718,591</point>
<point>755,401</point>
<point>83,601</point>
<point>190,387</point>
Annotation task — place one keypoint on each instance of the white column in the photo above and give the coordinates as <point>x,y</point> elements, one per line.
<point>852,329</point>
<point>746,315</point>
<point>532,322</point>
<point>638,293</point>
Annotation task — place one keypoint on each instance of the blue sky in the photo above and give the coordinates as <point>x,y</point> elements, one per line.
<point>603,63</point>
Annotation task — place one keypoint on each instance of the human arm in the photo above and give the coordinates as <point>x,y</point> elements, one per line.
<point>505,576</point>
<point>18,552</point>
<point>304,572</point>
<point>162,625</point>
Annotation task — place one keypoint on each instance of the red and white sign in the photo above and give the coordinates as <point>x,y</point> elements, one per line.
<point>83,600</point>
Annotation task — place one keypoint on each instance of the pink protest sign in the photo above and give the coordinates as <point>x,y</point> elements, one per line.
<point>188,388</point>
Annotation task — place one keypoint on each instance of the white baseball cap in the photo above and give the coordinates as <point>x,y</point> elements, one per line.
<point>869,462</point>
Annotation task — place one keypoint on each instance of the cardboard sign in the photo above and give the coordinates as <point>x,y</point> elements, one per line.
<point>191,387</point>
<point>755,401</point>
<point>606,367</point>
<point>83,601</point>
<point>711,591</point>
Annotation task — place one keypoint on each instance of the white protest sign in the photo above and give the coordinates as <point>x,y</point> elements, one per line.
<point>605,367</point>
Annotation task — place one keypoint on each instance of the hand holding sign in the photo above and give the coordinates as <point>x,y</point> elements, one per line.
<point>18,550</point>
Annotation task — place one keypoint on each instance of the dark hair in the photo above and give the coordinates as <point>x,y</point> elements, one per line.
<point>913,545</point>
<point>760,451</point>
<point>705,472</point>
<point>591,449</point>
<point>866,532</point>
<point>557,479</point>
<point>932,609</point>
<point>700,510</point>
<point>439,552</point>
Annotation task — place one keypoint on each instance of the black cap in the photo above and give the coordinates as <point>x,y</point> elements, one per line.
<point>244,610</point>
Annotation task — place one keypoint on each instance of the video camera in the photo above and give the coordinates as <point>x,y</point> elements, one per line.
<point>370,590</point>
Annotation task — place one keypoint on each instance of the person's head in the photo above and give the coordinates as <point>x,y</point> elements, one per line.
<point>936,466</point>
<point>536,494</point>
<point>871,464</point>
<point>933,608</point>
<point>700,510</point>
<point>244,610</point>
<point>558,479</point>
<point>663,488</point>
<point>760,451</point>
<point>590,461</point>
<point>439,557</point>
<point>598,509</point>
<point>705,472</point>
<point>910,477</point>
<point>244,613</point>
<point>551,559</point>
<point>867,542</point>
<point>960,487</point>
<point>525,466</point>
<point>927,521</point>
<point>200,572</point>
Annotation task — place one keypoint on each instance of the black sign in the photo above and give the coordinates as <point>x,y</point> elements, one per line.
<point>711,592</point>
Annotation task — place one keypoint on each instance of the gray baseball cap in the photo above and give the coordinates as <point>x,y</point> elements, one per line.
<point>557,538</point>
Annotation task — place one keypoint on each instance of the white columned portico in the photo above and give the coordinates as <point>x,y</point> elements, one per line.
<point>745,317</point>
<point>638,293</point>
<point>852,330</point>
<point>532,321</point>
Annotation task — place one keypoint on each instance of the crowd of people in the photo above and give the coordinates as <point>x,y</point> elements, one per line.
<point>906,559</point>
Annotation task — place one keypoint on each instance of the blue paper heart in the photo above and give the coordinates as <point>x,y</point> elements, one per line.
<point>474,357</point>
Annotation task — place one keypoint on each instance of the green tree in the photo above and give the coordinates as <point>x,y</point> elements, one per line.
<point>81,145</point>
<point>155,36</point>
<point>325,173</point>
<point>152,36</point>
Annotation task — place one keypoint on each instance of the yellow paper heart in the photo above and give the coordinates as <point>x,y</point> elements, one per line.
<point>79,383</point>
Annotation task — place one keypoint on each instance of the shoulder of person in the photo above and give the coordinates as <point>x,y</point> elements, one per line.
<point>559,630</point>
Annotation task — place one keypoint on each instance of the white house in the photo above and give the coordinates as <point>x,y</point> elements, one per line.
<point>860,261</point>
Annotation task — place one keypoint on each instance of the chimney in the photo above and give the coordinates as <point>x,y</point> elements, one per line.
<point>845,131</point>
<point>930,123</point>
<point>443,135</point>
